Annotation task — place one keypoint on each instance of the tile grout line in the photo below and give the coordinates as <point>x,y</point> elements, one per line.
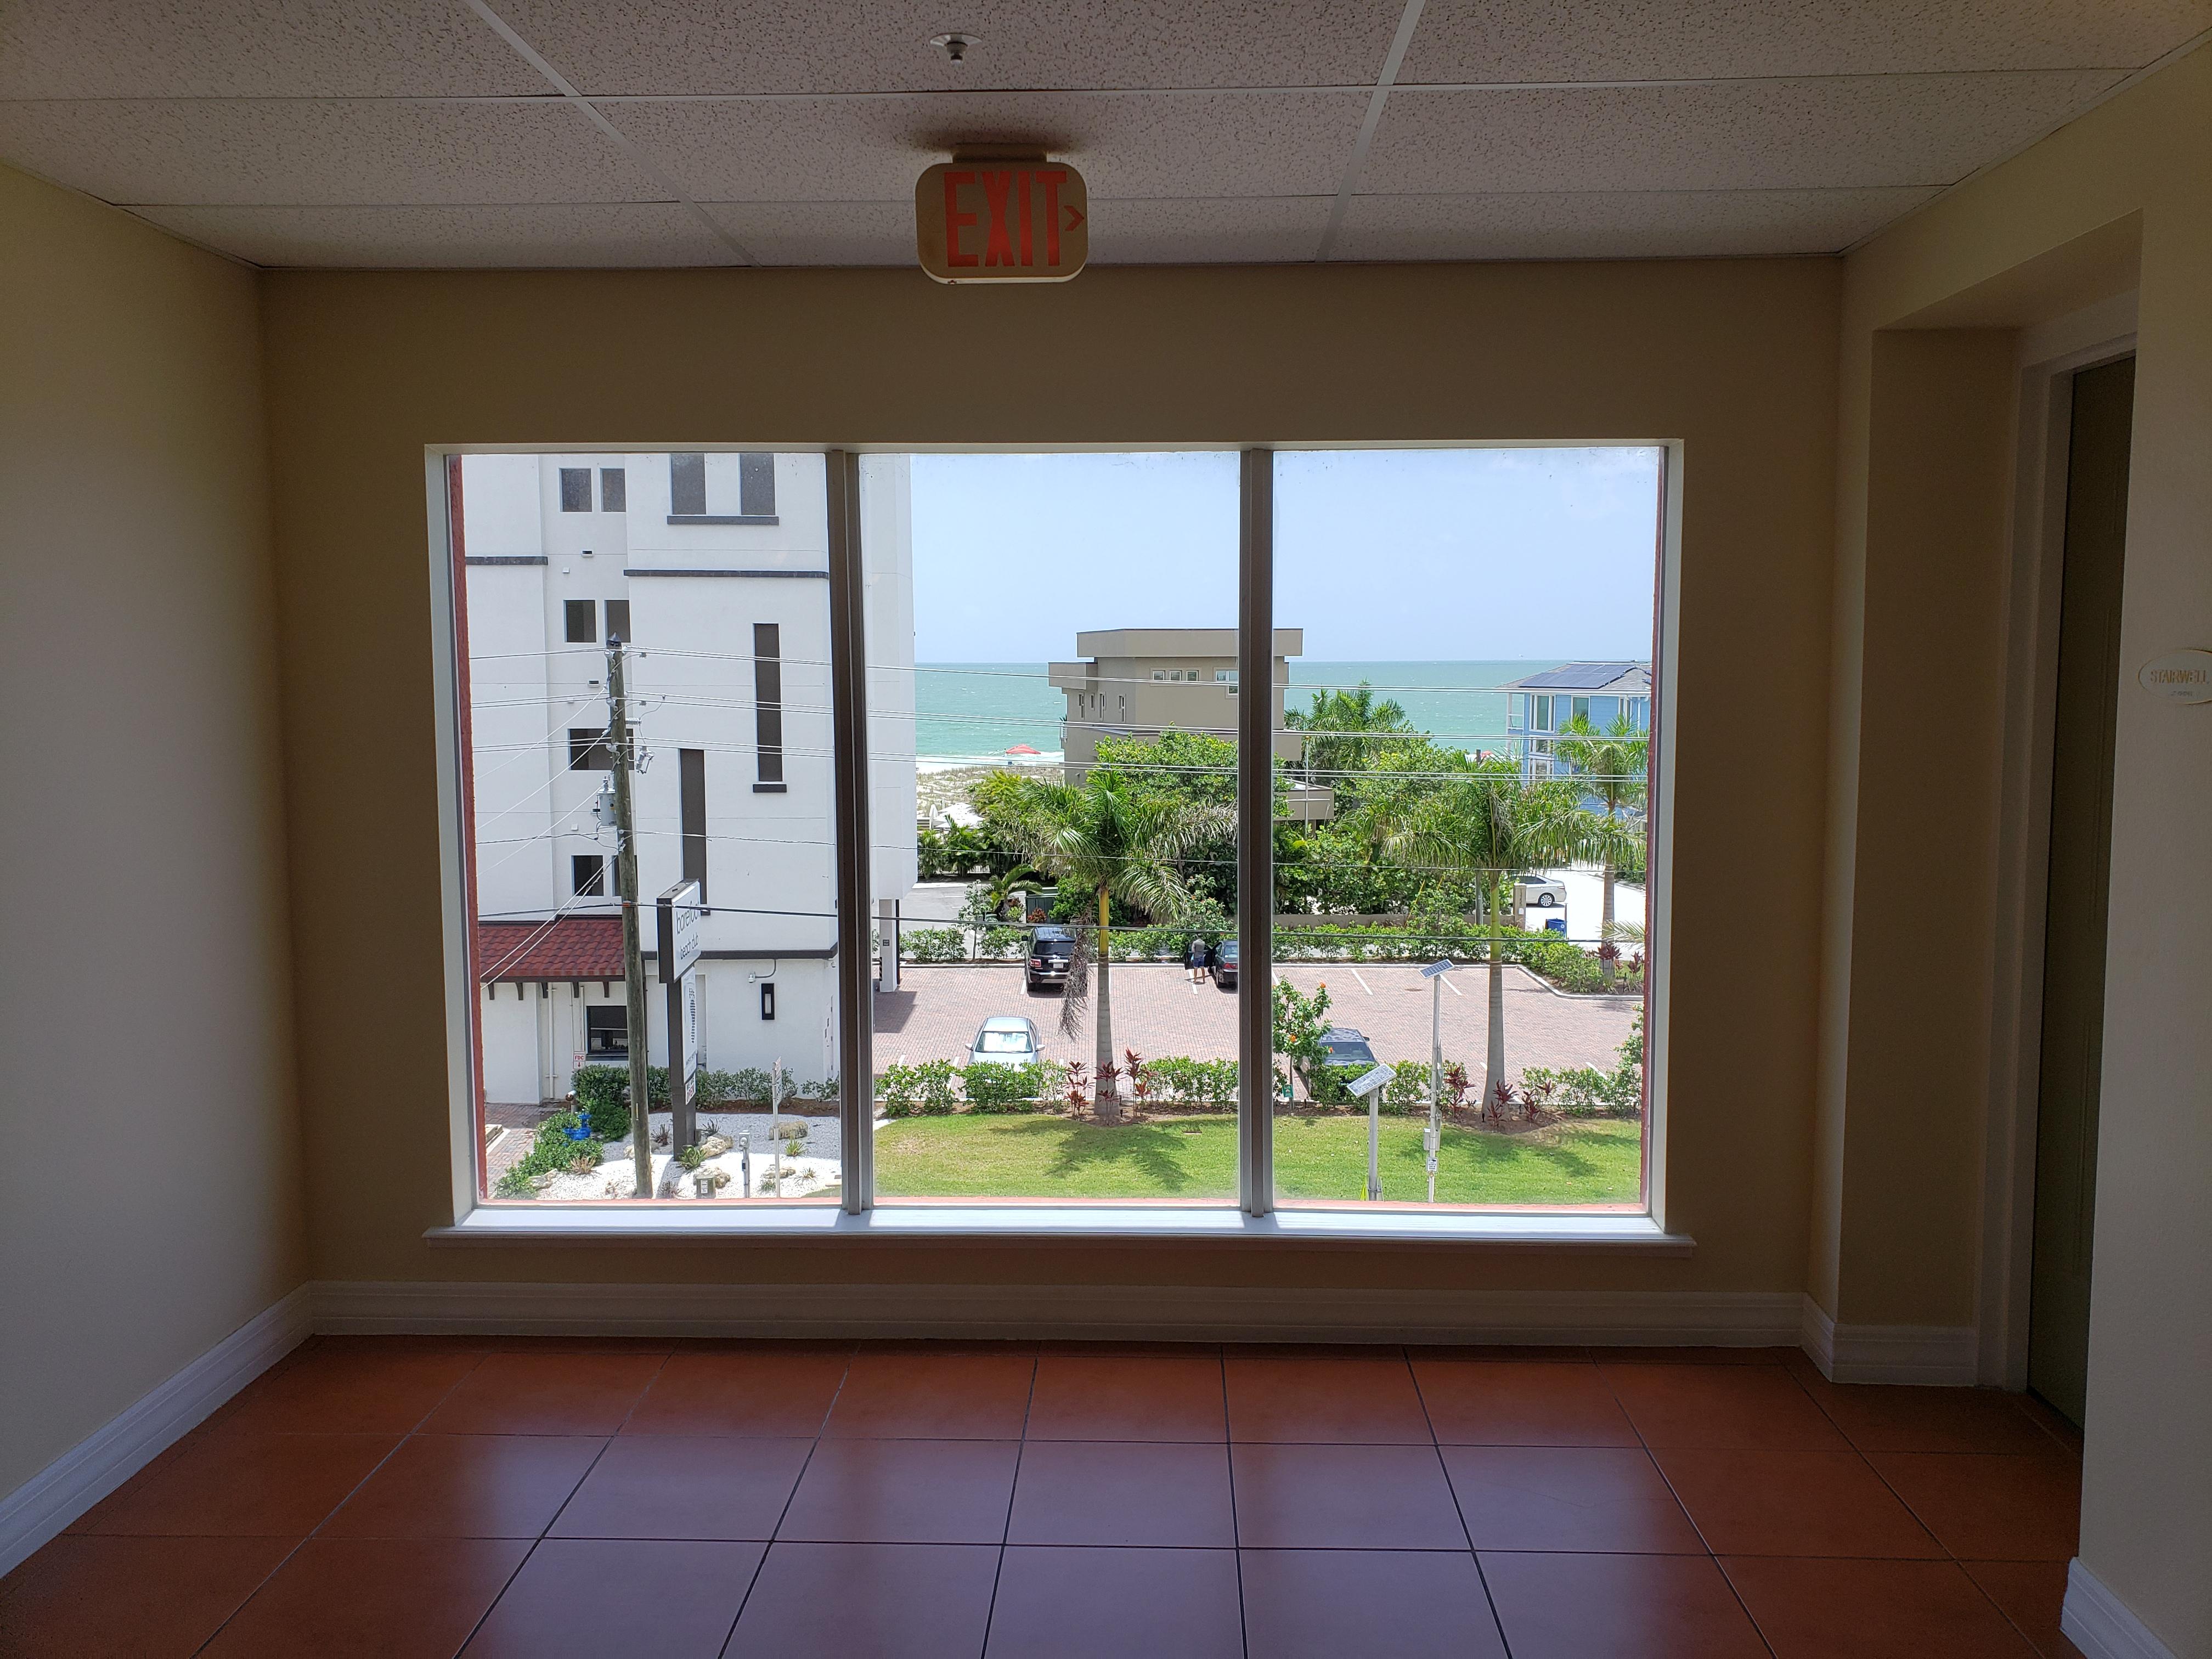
<point>999,1569</point>
<point>1711,1555</point>
<point>1496,1620</point>
<point>351,1493</point>
<point>789,1497</point>
<point>1235,1532</point>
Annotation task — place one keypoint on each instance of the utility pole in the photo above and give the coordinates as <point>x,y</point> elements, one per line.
<point>622,737</point>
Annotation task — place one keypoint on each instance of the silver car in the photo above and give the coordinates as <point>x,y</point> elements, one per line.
<point>1005,1039</point>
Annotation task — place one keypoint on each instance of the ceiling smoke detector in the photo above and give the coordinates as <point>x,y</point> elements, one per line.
<point>955,47</point>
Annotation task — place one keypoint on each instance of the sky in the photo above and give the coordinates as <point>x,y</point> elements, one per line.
<point>1411,556</point>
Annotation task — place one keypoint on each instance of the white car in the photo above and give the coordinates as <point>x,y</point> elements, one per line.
<point>1542,892</point>
<point>1005,1039</point>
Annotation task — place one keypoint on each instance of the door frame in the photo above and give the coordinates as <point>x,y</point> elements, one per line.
<point>2049,355</point>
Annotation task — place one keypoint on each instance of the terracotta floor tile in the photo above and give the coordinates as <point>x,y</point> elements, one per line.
<point>1873,1610</point>
<point>933,1396</point>
<point>742,1393</point>
<point>1131,1397</point>
<point>373,1598</point>
<point>1787,1503</point>
<point>1991,1507</point>
<point>904,1492</point>
<point>332,1391</point>
<point>1330,1604</point>
<point>670,1486</point>
<point>1898,1419</point>
<point>441,1342</point>
<point>1326,1401</point>
<point>2030,1594</point>
<point>579,1598</point>
<point>1116,1604</point>
<point>1492,1402</point>
<point>230,1483</point>
<point>1104,1350</point>
<point>1344,1498</point>
<point>468,1485</point>
<point>1073,1492</point>
<point>631,1345</point>
<point>1568,1498</point>
<point>1532,1353</point>
<point>912,1600</point>
<point>130,1598</point>
<point>1723,1407</point>
<point>1618,1606</point>
<point>2067,1434</point>
<point>1629,1355</point>
<point>535,1393</point>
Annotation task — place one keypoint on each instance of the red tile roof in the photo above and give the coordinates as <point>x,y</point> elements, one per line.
<point>572,947</point>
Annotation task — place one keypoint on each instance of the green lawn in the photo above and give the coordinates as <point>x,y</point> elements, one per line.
<point>1589,1162</point>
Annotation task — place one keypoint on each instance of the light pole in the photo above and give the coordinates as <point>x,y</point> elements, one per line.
<point>1434,973</point>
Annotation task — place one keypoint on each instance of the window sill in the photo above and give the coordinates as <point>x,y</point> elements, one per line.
<point>724,518</point>
<point>690,1224</point>
<point>771,788</point>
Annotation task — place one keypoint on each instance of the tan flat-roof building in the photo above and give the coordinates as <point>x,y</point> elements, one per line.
<point>1141,682</point>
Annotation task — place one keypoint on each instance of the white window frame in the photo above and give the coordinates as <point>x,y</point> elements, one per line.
<point>477,1219</point>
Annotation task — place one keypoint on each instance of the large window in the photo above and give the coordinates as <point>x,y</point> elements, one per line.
<point>1187,832</point>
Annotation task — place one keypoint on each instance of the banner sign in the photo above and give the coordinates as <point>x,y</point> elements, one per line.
<point>679,931</point>
<point>1002,222</point>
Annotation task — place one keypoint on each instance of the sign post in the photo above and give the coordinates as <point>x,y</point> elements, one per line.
<point>1016,220</point>
<point>678,954</point>
<point>1434,973</point>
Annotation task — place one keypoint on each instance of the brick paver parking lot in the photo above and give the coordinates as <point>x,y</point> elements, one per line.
<point>934,1014</point>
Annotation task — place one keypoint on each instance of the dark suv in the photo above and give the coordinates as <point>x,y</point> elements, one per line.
<point>1050,953</point>
<point>1225,964</point>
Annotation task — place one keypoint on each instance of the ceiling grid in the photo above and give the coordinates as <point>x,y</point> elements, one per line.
<point>540,133</point>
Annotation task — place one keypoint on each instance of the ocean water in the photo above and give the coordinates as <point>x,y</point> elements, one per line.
<point>978,711</point>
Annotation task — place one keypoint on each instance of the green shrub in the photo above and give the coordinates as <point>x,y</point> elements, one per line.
<point>550,1152</point>
<point>603,1095</point>
<point>825,1090</point>
<point>1179,1080</point>
<point>923,1090</point>
<point>1001,1088</point>
<point>1407,1091</point>
<point>1005,942</point>
<point>933,944</point>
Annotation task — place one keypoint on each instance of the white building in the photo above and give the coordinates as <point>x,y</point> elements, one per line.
<point>714,567</point>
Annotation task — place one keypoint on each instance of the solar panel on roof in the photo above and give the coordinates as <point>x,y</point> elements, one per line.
<point>1580,676</point>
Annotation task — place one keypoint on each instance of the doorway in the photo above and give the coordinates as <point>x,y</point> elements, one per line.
<point>2072,1045</point>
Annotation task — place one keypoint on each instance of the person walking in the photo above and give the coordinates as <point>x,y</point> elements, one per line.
<point>1197,958</point>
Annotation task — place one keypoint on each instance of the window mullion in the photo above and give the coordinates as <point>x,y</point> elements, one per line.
<point>1256,717</point>
<point>848,761</point>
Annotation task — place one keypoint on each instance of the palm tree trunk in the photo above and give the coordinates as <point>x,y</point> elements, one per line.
<point>1108,1096</point>
<point>1494,1063</point>
<point>1605,926</point>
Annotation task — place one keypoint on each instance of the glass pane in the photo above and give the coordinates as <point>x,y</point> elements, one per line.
<point>548,771</point>
<point>1459,982</point>
<point>1052,655</point>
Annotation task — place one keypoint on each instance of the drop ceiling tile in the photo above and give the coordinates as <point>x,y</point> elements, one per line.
<point>871,149</point>
<point>1611,225</point>
<point>316,152</point>
<point>1514,41</point>
<point>1751,135</point>
<point>253,48</point>
<point>648,46</point>
<point>540,236</point>
<point>822,233</point>
<point>1263,230</point>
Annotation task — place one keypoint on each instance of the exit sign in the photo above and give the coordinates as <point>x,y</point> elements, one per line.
<point>1002,222</point>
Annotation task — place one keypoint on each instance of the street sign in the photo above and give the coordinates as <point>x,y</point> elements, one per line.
<point>1002,221</point>
<point>687,1038</point>
<point>1369,1082</point>
<point>679,931</point>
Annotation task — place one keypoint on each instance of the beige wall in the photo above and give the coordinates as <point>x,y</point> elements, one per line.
<point>1736,359</point>
<point>152,1189</point>
<point>2049,232</point>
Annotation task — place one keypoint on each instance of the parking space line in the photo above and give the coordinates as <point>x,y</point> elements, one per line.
<point>1364,985</point>
<point>1453,989</point>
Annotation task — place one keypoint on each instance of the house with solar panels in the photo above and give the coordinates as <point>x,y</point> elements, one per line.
<point>1541,706</point>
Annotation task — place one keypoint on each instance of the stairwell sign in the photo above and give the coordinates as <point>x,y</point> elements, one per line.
<point>1002,222</point>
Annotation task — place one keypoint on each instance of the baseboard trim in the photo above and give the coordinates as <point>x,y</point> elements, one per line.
<point>1724,1319</point>
<point>51,1499</point>
<point>1943,1356</point>
<point>2101,1625</point>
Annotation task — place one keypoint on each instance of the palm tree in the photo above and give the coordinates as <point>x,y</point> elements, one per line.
<point>1614,767</point>
<point>1488,823</point>
<point>1338,710</point>
<point>1121,844</point>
